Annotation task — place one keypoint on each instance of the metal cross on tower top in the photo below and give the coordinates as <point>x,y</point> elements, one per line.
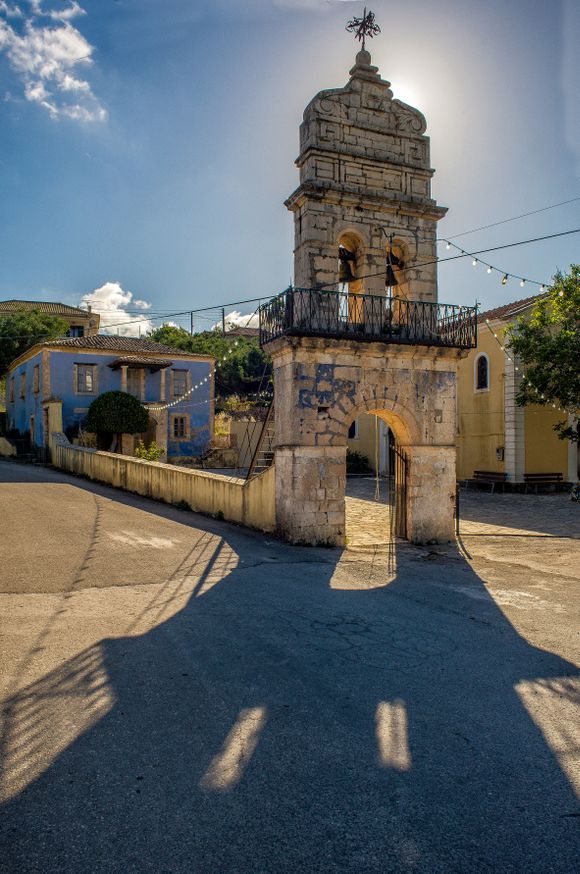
<point>363,27</point>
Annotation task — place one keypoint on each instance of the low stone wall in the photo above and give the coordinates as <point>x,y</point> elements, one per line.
<point>6,448</point>
<point>248,503</point>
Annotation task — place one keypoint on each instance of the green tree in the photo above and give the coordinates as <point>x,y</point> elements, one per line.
<point>548,345</point>
<point>23,329</point>
<point>114,413</point>
<point>241,362</point>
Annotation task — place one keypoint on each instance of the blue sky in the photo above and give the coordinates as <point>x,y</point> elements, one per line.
<point>156,166</point>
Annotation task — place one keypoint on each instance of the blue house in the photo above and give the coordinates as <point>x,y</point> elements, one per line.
<point>51,386</point>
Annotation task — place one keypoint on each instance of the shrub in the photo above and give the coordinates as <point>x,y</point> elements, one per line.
<point>114,413</point>
<point>153,452</point>
<point>356,462</point>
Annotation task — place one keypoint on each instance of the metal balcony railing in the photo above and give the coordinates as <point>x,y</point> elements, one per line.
<point>308,312</point>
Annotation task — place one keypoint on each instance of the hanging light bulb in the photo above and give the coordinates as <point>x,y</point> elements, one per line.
<point>489,269</point>
<point>523,282</point>
<point>448,246</point>
<point>474,262</point>
<point>504,279</point>
<point>541,289</point>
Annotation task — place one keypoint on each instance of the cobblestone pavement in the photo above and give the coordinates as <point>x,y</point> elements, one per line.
<point>367,512</point>
<point>481,514</point>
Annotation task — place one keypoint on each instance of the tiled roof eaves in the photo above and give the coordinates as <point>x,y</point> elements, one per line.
<point>509,310</point>
<point>131,345</point>
<point>72,344</point>
<point>43,307</point>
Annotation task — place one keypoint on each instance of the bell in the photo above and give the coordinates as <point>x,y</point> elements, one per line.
<point>391,278</point>
<point>345,274</point>
<point>392,260</point>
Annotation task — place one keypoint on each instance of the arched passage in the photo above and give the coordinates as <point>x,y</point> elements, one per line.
<point>321,386</point>
<point>375,485</point>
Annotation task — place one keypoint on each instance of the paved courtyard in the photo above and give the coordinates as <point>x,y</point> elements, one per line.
<point>182,695</point>
<point>481,514</point>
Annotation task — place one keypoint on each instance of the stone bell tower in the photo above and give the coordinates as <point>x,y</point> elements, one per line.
<point>369,337</point>
<point>365,175</point>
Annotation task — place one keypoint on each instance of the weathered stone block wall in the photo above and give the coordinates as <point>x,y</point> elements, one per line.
<point>310,483</point>
<point>364,170</point>
<point>321,387</point>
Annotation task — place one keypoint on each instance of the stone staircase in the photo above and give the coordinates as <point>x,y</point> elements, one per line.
<point>264,453</point>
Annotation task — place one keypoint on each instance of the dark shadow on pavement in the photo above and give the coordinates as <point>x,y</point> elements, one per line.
<point>283,722</point>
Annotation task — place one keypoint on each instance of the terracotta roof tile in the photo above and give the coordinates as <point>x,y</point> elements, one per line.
<point>510,310</point>
<point>140,361</point>
<point>43,306</point>
<point>134,345</point>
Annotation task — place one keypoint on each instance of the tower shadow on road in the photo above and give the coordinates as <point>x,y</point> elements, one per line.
<point>287,720</point>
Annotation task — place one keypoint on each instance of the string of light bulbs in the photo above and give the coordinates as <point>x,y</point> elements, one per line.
<point>505,277</point>
<point>181,398</point>
<point>220,362</point>
<point>516,367</point>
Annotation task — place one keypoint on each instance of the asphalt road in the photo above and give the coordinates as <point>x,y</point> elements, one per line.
<point>184,696</point>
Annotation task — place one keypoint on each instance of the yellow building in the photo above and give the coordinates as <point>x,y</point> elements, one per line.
<point>370,436</point>
<point>493,433</point>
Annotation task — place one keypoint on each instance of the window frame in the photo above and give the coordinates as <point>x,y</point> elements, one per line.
<point>476,387</point>
<point>22,388</point>
<point>175,417</point>
<point>12,390</point>
<point>36,379</point>
<point>77,372</point>
<point>174,371</point>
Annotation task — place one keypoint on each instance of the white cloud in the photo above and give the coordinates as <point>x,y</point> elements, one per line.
<point>9,10</point>
<point>235,319</point>
<point>43,48</point>
<point>70,10</point>
<point>111,301</point>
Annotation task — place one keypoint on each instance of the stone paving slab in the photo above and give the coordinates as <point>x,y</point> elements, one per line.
<point>481,514</point>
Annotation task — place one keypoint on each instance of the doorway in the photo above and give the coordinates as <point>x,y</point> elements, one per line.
<point>376,484</point>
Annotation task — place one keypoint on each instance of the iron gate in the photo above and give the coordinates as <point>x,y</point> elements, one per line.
<point>398,472</point>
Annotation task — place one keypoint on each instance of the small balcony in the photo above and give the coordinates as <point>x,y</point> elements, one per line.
<point>308,312</point>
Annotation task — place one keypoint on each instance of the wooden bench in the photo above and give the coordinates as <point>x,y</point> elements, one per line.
<point>543,479</point>
<point>487,477</point>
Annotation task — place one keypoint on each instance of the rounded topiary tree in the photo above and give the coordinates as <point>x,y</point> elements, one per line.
<point>114,413</point>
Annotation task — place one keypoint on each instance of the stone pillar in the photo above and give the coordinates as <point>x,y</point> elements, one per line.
<point>573,456</point>
<point>124,370</point>
<point>515,438</point>
<point>128,444</point>
<point>310,483</point>
<point>431,484</point>
<point>162,379</point>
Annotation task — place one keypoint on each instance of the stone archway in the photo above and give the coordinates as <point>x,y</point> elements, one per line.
<point>321,386</point>
<point>375,489</point>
